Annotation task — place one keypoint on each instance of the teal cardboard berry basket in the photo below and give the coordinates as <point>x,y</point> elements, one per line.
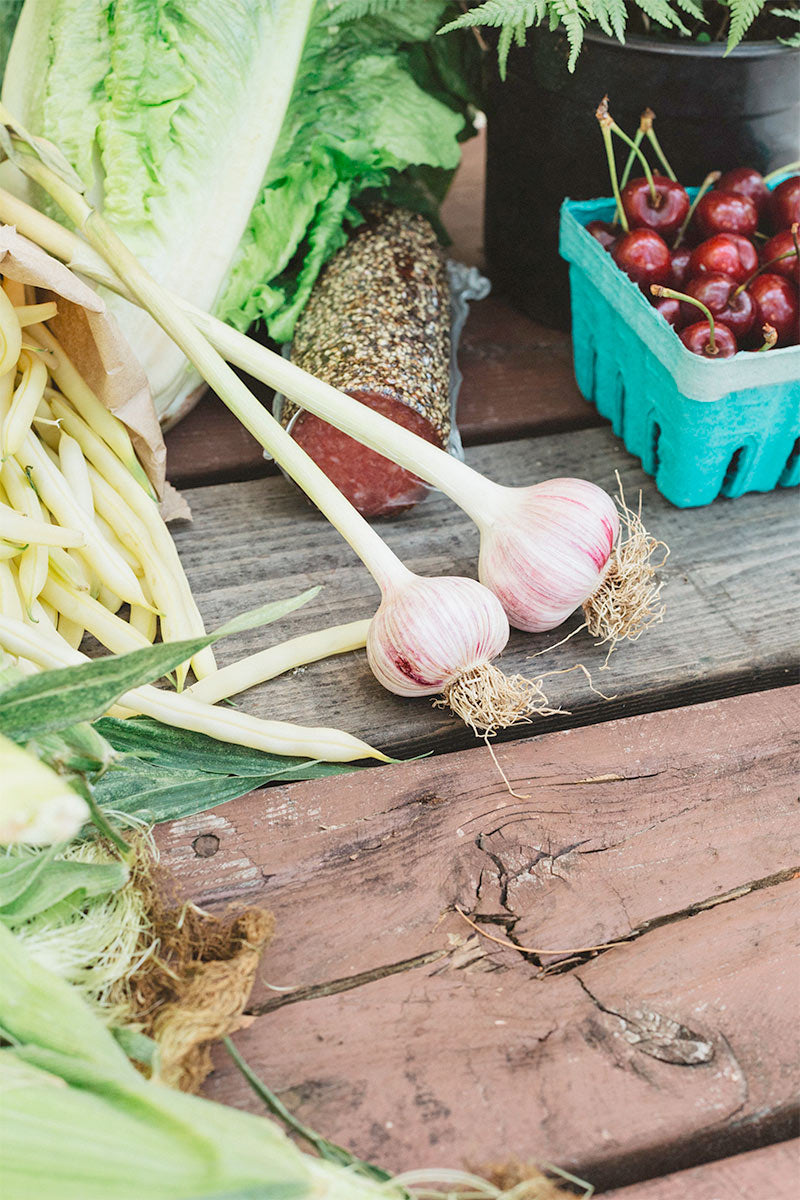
<point>701,428</point>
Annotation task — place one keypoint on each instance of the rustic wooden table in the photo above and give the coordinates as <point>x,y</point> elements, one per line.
<point>636,1021</point>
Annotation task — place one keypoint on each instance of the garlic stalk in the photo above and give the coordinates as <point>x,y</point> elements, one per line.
<point>546,550</point>
<point>428,636</point>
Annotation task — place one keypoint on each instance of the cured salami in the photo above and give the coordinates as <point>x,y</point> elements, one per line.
<point>377,326</point>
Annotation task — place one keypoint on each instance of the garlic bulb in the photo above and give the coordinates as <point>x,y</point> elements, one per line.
<point>438,637</point>
<point>545,549</point>
<point>429,632</point>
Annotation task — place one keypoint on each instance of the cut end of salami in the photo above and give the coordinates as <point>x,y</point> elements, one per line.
<point>376,486</point>
<point>377,326</point>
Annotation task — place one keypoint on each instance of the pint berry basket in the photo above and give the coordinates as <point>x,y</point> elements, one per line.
<point>701,428</point>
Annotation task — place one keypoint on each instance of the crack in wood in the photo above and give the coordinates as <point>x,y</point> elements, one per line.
<point>569,964</point>
<point>314,991</point>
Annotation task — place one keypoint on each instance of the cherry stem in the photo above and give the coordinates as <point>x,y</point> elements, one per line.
<point>770,338</point>
<point>765,267</point>
<point>628,165</point>
<point>795,239</point>
<point>792,166</point>
<point>707,183</point>
<point>671,294</point>
<point>646,124</point>
<point>605,121</point>
<point>614,127</point>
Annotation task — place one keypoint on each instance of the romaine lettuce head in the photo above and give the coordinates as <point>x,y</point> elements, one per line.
<point>226,140</point>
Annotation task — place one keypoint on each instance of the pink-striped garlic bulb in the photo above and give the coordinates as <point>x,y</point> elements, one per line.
<point>438,636</point>
<point>546,549</point>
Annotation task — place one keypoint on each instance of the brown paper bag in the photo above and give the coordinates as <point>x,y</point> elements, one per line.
<point>91,337</point>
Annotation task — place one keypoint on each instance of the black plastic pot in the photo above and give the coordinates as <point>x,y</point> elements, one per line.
<point>712,111</point>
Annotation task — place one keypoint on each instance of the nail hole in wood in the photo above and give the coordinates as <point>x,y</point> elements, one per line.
<point>206,845</point>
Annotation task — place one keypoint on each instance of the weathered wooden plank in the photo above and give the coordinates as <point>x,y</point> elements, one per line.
<point>731,600</point>
<point>772,1173</point>
<point>623,826</point>
<point>415,1040</point>
<point>679,1047</point>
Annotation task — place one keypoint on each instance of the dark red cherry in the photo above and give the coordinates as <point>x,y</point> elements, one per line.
<point>719,294</point>
<point>777,304</point>
<point>782,243</point>
<point>643,256</point>
<point>604,232</point>
<point>747,182</point>
<point>729,253</point>
<point>725,212</point>
<point>697,338</point>
<point>671,310</point>
<point>784,203</point>
<point>666,215</point>
<point>679,266</point>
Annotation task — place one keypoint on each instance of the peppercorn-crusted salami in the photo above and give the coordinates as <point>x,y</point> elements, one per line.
<point>377,326</point>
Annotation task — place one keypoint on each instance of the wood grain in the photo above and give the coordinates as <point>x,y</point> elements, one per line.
<point>414,1039</point>
<point>729,590</point>
<point>772,1173</point>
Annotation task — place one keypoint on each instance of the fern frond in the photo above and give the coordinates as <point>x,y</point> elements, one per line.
<point>743,13</point>
<point>662,12</point>
<point>693,8</point>
<point>611,16</point>
<point>498,14</point>
<point>353,10</point>
<point>793,14</point>
<point>571,16</point>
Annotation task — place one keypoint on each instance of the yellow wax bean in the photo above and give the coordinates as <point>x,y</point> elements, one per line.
<point>10,335</point>
<point>24,403</point>
<point>75,471</point>
<point>100,556</point>
<point>9,550</point>
<point>258,668</point>
<point>71,631</point>
<point>31,314</point>
<point>14,527</point>
<point>105,423</point>
<point>184,712</point>
<point>124,551</point>
<point>10,601</point>
<point>33,564</point>
<point>70,569</point>
<point>117,635</point>
<point>114,474</point>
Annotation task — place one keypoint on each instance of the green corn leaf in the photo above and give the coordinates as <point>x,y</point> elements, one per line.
<point>17,874</point>
<point>64,697</point>
<point>163,745</point>
<point>74,881</point>
<point>159,792</point>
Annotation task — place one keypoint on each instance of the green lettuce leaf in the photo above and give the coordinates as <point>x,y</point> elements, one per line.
<point>228,143</point>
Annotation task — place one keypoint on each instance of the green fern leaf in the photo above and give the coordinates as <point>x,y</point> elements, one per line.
<point>743,13</point>
<point>570,15</point>
<point>662,13</point>
<point>611,16</point>
<point>693,8</point>
<point>498,14</point>
<point>792,14</point>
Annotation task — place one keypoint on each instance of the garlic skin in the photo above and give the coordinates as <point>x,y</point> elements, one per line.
<point>428,632</point>
<point>545,549</point>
